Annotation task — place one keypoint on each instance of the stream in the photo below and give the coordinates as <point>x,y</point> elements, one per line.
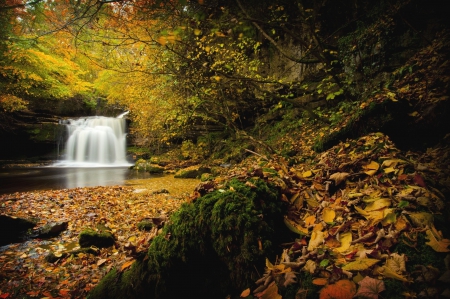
<point>46,178</point>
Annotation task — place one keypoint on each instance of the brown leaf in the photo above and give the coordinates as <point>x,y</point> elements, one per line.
<point>370,287</point>
<point>339,177</point>
<point>270,293</point>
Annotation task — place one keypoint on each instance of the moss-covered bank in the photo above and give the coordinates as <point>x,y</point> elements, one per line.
<point>208,249</point>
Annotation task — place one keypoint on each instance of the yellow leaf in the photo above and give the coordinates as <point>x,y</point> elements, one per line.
<point>439,245</point>
<point>328,215</point>
<point>361,264</point>
<point>197,31</point>
<point>310,220</point>
<point>389,217</point>
<point>269,265</point>
<point>294,227</point>
<point>346,240</point>
<point>421,219</point>
<point>371,168</point>
<point>362,212</point>
<point>391,162</point>
<point>378,204</point>
<point>389,170</point>
<point>307,174</point>
<point>162,40</point>
<point>388,272</point>
<point>310,266</point>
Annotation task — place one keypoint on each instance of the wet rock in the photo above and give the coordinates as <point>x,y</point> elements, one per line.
<point>100,239</point>
<point>53,257</point>
<point>52,229</point>
<point>161,191</point>
<point>13,229</point>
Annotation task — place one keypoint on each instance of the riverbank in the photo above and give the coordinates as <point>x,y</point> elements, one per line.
<point>25,273</point>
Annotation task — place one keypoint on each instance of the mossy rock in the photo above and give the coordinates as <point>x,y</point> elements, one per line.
<point>101,239</point>
<point>192,173</point>
<point>52,257</point>
<point>155,169</point>
<point>208,249</point>
<point>145,225</point>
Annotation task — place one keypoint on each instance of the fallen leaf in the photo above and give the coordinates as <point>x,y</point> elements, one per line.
<point>310,220</point>
<point>339,177</point>
<point>346,240</point>
<point>245,293</point>
<point>370,288</point>
<point>371,168</point>
<point>320,281</point>
<point>270,293</point>
<point>388,272</point>
<point>397,262</point>
<point>360,264</point>
<point>294,227</point>
<point>101,262</point>
<point>328,215</point>
<point>378,204</point>
<point>307,174</point>
<point>421,219</point>
<point>439,245</point>
<point>310,266</point>
<point>342,289</point>
<point>126,265</point>
<point>317,238</point>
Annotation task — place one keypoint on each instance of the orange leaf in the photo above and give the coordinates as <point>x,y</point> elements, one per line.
<point>343,289</point>
<point>245,293</point>
<point>4,295</point>
<point>310,220</point>
<point>47,294</point>
<point>64,292</point>
<point>320,281</point>
<point>126,265</point>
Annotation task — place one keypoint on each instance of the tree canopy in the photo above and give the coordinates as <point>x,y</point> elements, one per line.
<point>181,66</point>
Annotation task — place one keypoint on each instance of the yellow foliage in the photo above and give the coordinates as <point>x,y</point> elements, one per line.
<point>360,264</point>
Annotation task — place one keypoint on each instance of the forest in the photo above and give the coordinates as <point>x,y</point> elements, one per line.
<point>308,142</point>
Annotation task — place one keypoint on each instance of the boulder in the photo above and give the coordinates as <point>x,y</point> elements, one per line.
<point>14,229</point>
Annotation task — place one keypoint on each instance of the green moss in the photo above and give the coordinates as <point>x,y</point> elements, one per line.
<point>145,225</point>
<point>420,254</point>
<point>155,169</point>
<point>101,239</point>
<point>208,249</point>
<point>192,173</point>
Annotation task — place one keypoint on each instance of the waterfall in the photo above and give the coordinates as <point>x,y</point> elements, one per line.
<point>95,142</point>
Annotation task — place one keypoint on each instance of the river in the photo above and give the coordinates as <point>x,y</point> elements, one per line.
<point>45,178</point>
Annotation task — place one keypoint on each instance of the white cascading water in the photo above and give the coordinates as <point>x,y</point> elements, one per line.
<point>95,142</point>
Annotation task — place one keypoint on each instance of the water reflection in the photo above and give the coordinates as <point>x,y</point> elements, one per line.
<point>44,178</point>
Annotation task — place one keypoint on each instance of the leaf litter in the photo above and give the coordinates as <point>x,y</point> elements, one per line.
<point>24,271</point>
<point>350,207</point>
